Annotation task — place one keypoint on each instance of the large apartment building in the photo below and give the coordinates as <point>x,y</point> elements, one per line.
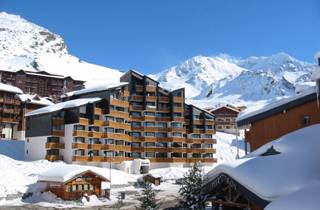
<point>41,83</point>
<point>135,119</point>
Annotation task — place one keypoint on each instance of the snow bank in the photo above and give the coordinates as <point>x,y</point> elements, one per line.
<point>35,99</point>
<point>63,105</point>
<point>272,177</point>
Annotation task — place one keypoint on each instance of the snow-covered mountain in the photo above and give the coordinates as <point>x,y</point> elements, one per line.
<point>217,79</point>
<point>24,45</point>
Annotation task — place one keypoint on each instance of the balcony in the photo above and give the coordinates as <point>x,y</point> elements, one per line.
<point>80,146</point>
<point>57,121</point>
<point>136,98</point>
<point>168,160</point>
<point>151,98</point>
<point>139,88</point>
<point>9,120</point>
<point>211,131</point>
<point>164,109</point>
<point>198,122</point>
<point>83,121</point>
<point>164,99</point>
<point>202,160</point>
<point>54,157</point>
<point>163,119</point>
<point>117,102</point>
<point>198,131</point>
<point>178,109</point>
<point>126,93</point>
<point>113,124</point>
<point>98,111</point>
<point>100,159</point>
<point>57,133</point>
<point>210,121</point>
<point>81,133</point>
<point>136,108</point>
<point>151,88</point>
<point>178,139</point>
<point>98,123</point>
<point>95,134</point>
<point>178,119</point>
<point>151,108</point>
<point>178,99</point>
<point>136,118</point>
<point>117,136</point>
<point>149,118</point>
<point>54,145</point>
<point>119,114</point>
<point>183,130</point>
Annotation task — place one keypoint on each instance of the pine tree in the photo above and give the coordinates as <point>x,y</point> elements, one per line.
<point>148,198</point>
<point>190,191</point>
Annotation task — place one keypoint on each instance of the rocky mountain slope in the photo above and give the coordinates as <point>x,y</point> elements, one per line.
<point>217,79</point>
<point>24,45</point>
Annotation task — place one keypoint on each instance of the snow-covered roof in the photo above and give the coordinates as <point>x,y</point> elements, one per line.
<point>277,176</point>
<point>95,88</point>
<point>67,172</point>
<point>35,99</point>
<point>275,107</point>
<point>63,105</point>
<point>226,106</point>
<point>10,88</point>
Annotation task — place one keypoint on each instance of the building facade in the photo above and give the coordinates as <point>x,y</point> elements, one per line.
<point>135,119</point>
<point>226,118</point>
<point>41,83</point>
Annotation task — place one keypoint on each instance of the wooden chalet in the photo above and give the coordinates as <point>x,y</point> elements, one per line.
<point>74,182</point>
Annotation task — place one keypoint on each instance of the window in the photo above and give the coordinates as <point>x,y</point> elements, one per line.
<point>149,144</point>
<point>135,134</point>
<point>306,120</point>
<point>152,134</point>
<point>149,113</point>
<point>135,144</point>
<point>150,154</point>
<point>176,125</point>
<point>176,134</point>
<point>162,135</point>
<point>85,187</point>
<point>109,130</point>
<point>80,187</point>
<point>135,114</point>
<point>74,187</point>
<point>136,124</point>
<point>91,187</point>
<point>149,124</point>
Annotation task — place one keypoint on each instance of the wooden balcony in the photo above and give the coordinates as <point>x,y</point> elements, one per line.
<point>54,157</point>
<point>164,99</point>
<point>210,121</point>
<point>168,160</point>
<point>178,149</point>
<point>136,108</point>
<point>113,124</point>
<point>139,88</point>
<point>178,109</point>
<point>163,119</point>
<point>164,109</point>
<point>140,128</point>
<point>149,118</point>
<point>136,98</point>
<point>54,145</point>
<point>151,98</point>
<point>83,121</point>
<point>80,146</point>
<point>198,131</point>
<point>98,122</point>
<point>182,130</point>
<point>211,131</point>
<point>125,93</point>
<point>95,134</point>
<point>119,114</point>
<point>81,133</point>
<point>151,108</point>
<point>198,122</point>
<point>57,121</point>
<point>178,139</point>
<point>136,118</point>
<point>202,160</point>
<point>117,136</point>
<point>98,111</point>
<point>151,88</point>
<point>201,141</point>
<point>100,159</point>
<point>117,102</point>
<point>58,133</point>
<point>178,99</point>
<point>9,120</point>
<point>178,119</point>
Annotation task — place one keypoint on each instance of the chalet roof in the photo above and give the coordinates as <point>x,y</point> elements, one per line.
<point>277,107</point>
<point>63,105</point>
<point>200,109</point>
<point>96,88</point>
<point>68,172</point>
<point>275,176</point>
<point>225,106</point>
<point>10,88</point>
<point>35,99</point>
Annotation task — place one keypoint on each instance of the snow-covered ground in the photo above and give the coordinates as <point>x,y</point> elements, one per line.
<point>19,177</point>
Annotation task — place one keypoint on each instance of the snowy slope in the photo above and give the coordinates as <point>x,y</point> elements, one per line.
<point>215,79</point>
<point>24,45</point>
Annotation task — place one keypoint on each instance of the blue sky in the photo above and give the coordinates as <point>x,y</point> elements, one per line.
<point>151,35</point>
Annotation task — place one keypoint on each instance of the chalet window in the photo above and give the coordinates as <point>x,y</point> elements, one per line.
<point>68,188</point>
<point>91,187</point>
<point>80,187</point>
<point>85,187</point>
<point>74,188</point>
<point>306,120</point>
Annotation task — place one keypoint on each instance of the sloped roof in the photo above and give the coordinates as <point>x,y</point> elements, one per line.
<point>63,105</point>
<point>35,99</point>
<point>67,172</point>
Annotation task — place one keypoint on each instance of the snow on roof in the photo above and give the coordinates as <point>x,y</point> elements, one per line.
<point>95,88</point>
<point>10,88</point>
<point>35,99</point>
<point>66,172</point>
<point>268,107</point>
<point>63,105</point>
<point>273,177</point>
<point>226,106</point>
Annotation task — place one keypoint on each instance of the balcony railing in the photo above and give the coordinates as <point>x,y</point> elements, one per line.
<point>54,145</point>
<point>117,102</point>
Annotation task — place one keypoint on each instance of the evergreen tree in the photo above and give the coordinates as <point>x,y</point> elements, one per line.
<point>148,198</point>
<point>190,191</point>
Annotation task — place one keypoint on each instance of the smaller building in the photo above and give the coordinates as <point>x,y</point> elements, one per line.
<point>151,178</point>
<point>226,118</point>
<point>72,182</point>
